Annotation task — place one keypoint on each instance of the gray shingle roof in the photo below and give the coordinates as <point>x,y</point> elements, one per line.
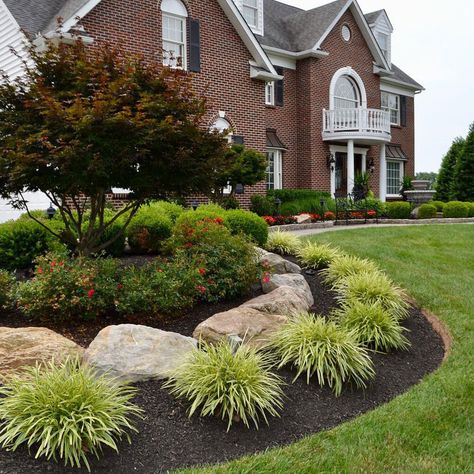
<point>372,16</point>
<point>399,75</point>
<point>34,15</point>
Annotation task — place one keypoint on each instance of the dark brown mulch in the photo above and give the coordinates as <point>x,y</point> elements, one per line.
<point>168,439</point>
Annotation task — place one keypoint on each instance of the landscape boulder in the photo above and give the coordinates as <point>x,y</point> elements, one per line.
<point>252,326</point>
<point>277,264</point>
<point>303,219</point>
<point>25,347</point>
<point>293,280</point>
<point>133,353</point>
<point>283,300</point>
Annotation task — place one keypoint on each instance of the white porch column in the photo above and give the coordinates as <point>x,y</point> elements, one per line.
<point>383,174</point>
<point>350,166</point>
<point>364,163</point>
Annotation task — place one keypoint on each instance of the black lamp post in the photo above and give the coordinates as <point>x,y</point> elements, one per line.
<point>50,211</point>
<point>278,204</point>
<point>372,166</point>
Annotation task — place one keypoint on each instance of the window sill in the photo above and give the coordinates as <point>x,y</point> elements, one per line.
<point>396,126</point>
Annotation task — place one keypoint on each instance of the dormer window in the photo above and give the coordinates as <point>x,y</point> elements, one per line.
<point>252,11</point>
<point>382,40</point>
<point>174,15</point>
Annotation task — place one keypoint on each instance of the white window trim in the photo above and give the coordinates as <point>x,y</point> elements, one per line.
<point>347,71</point>
<point>254,9</point>
<point>270,93</point>
<point>278,168</point>
<point>389,109</point>
<point>227,189</point>
<point>402,175</point>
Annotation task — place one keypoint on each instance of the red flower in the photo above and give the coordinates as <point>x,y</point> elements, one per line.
<point>201,289</point>
<point>329,215</point>
<point>40,270</point>
<point>219,220</point>
<point>269,220</point>
<point>188,245</point>
<point>202,271</point>
<point>266,277</point>
<point>90,293</point>
<point>119,286</point>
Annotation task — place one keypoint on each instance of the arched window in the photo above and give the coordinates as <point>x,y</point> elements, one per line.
<point>174,33</point>
<point>346,94</point>
<point>222,125</point>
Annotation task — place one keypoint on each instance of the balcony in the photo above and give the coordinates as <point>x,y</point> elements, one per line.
<point>365,126</point>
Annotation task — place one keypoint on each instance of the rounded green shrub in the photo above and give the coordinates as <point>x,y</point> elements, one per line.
<point>66,412</point>
<point>190,218</point>
<point>471,209</point>
<point>316,256</point>
<point>7,284</point>
<point>456,209</point>
<point>316,347</point>
<point>233,385</point>
<point>169,209</point>
<point>148,230</point>
<point>347,265</point>
<point>439,205</point>
<point>373,326</point>
<point>247,223</point>
<point>398,210</point>
<point>427,211</point>
<point>284,243</point>
<point>262,205</point>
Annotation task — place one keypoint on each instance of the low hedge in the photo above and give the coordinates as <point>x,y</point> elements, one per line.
<point>398,210</point>
<point>456,209</point>
<point>248,223</point>
<point>263,205</point>
<point>439,205</point>
<point>427,211</point>
<point>471,209</point>
<point>308,205</point>
<point>287,195</point>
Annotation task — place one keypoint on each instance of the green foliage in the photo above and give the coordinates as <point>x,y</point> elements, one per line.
<point>471,209</point>
<point>347,265</point>
<point>307,205</point>
<point>398,210</point>
<point>287,195</point>
<point>22,241</point>
<point>263,205</point>
<point>317,256</point>
<point>217,381</point>
<point>372,326</point>
<point>284,243</point>
<point>149,229</point>
<point>439,205</point>
<point>247,223</point>
<point>64,288</point>
<point>371,288</point>
<point>455,209</point>
<point>230,202</point>
<point>169,209</point>
<point>65,412</point>
<point>229,262</point>
<point>463,184</point>
<point>427,211</point>
<point>318,347</point>
<point>65,131</point>
<point>7,288</point>
<point>406,184</point>
<point>445,186</point>
<point>158,288</point>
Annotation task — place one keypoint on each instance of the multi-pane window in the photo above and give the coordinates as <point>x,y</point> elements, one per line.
<point>174,41</point>
<point>391,103</point>
<point>274,170</point>
<point>250,12</point>
<point>394,177</point>
<point>346,94</point>
<point>270,93</point>
<point>382,40</point>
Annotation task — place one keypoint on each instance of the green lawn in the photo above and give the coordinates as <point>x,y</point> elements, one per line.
<point>430,429</point>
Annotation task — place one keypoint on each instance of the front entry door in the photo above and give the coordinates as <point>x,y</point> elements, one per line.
<point>341,171</point>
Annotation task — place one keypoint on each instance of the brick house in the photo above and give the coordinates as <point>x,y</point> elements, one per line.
<point>316,90</point>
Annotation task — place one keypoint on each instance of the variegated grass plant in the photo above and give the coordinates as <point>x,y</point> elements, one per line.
<point>65,411</point>
<point>320,348</point>
<point>373,287</point>
<point>373,325</point>
<point>232,384</point>
<point>284,243</point>
<point>347,265</point>
<point>317,256</point>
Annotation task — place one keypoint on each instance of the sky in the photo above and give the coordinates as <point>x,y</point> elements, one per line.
<point>433,42</point>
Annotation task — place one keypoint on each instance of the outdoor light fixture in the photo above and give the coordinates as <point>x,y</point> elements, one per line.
<point>331,162</point>
<point>194,205</point>
<point>239,188</point>
<point>278,203</point>
<point>50,211</point>
<point>322,203</point>
<point>372,165</point>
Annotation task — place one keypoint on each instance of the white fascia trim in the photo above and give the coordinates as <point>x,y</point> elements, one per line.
<point>246,34</point>
<point>392,89</point>
<point>262,75</point>
<point>66,38</point>
<point>365,29</point>
<point>381,71</point>
<point>309,53</point>
<point>343,149</point>
<point>397,82</point>
<point>78,15</point>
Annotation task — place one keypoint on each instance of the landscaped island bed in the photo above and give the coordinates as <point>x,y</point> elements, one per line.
<point>168,439</point>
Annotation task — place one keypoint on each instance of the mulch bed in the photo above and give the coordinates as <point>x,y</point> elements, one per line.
<point>168,439</point>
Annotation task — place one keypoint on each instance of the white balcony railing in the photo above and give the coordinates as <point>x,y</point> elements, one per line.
<point>366,122</point>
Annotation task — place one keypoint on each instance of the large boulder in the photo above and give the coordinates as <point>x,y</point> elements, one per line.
<point>283,300</point>
<point>293,280</point>
<point>25,347</point>
<point>303,219</point>
<point>276,263</point>
<point>134,353</point>
<point>252,326</point>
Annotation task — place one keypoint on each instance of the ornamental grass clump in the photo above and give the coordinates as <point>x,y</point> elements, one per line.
<point>317,256</point>
<point>347,265</point>
<point>284,243</point>
<point>232,385</point>
<point>373,326</point>
<point>370,288</point>
<point>317,347</point>
<point>65,412</point>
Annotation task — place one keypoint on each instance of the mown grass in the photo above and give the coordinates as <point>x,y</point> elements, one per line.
<point>430,429</point>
